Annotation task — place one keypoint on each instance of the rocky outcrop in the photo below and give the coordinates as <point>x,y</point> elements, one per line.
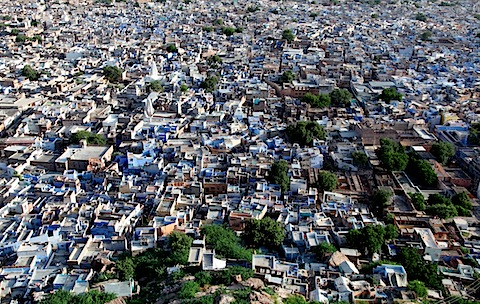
<point>260,297</point>
<point>224,299</point>
<point>254,283</point>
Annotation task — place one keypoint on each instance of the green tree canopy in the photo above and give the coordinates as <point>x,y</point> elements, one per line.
<point>462,203</point>
<point>183,87</point>
<point>228,31</point>
<point>66,297</point>
<point>287,77</point>
<point>426,35</point>
<point>390,94</point>
<point>225,242</point>
<point>419,269</point>
<point>327,181</point>
<point>155,86</point>
<point>381,199</point>
<point>324,249</point>
<point>125,267</point>
<point>304,132</point>
<point>391,232</point>
<point>263,233</point>
<point>279,175</point>
<point>369,239</point>
<point>340,97</point>
<point>214,61</point>
<point>418,200</point>
<point>209,84</point>
<point>422,171</point>
<point>440,206</point>
<point>442,151</point>
<point>179,244</point>
<point>113,73</point>
<point>288,35</point>
<point>421,17</point>
<point>442,211</point>
<point>392,155</point>
<point>317,101</point>
<point>295,299</point>
<point>172,48</point>
<point>203,278</point>
<point>360,159</point>
<point>30,73</point>
<point>188,290</point>
<point>21,38</point>
<point>418,287</point>
<point>474,134</point>
<point>92,139</point>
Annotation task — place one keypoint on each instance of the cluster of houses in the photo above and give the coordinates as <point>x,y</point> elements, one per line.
<point>198,150</point>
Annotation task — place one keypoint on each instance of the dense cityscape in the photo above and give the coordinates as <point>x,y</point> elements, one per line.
<point>216,152</point>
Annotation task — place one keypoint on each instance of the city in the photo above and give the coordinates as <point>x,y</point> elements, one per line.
<point>178,151</point>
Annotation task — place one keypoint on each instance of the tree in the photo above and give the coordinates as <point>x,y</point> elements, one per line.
<point>304,132</point>
<point>295,299</point>
<point>179,244</point>
<point>209,84</point>
<point>92,139</point>
<point>30,73</point>
<point>369,239</point>
<point>183,88</point>
<point>474,134</point>
<point>113,73</point>
<point>317,101</point>
<point>188,290</point>
<point>214,61</point>
<point>323,250</point>
<point>426,35</point>
<point>390,94</point>
<point>421,17</point>
<point>441,206</point>
<point>442,211</point>
<point>253,9</point>
<point>207,29</point>
<point>155,86</point>
<point>225,242</point>
<point>392,155</point>
<point>462,203</point>
<point>228,31</point>
<point>278,175</point>
<point>422,171</point>
<point>418,287</point>
<point>360,159</point>
<point>263,233</point>
<point>442,151</point>
<point>381,199</point>
<point>125,267</point>
<point>438,199</point>
<point>172,48</point>
<point>419,269</point>
<point>288,35</point>
<point>418,200</point>
<point>391,232</point>
<point>341,97</point>
<point>327,181</point>
<point>354,237</point>
<point>203,278</point>
<point>21,38</point>
<point>66,297</point>
<point>287,77</point>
